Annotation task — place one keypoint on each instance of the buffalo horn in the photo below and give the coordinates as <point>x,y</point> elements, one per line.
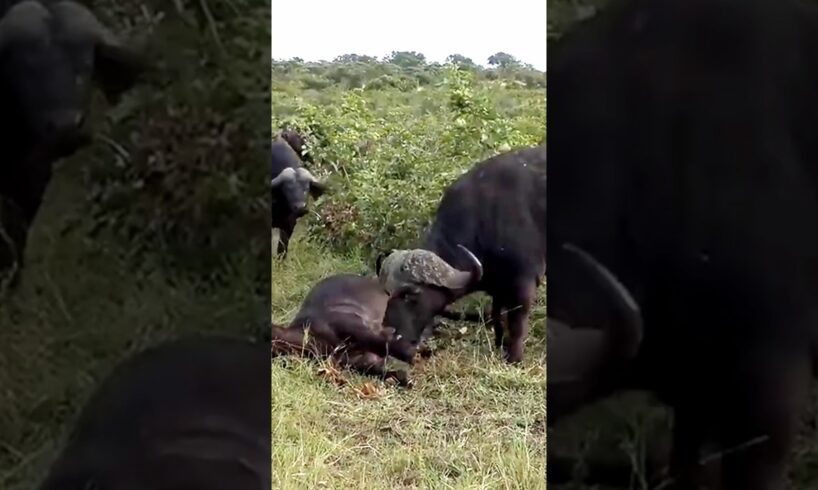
<point>286,174</point>
<point>303,172</point>
<point>77,20</point>
<point>457,279</point>
<point>629,335</point>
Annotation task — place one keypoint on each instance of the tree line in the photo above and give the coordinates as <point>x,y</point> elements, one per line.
<point>403,70</point>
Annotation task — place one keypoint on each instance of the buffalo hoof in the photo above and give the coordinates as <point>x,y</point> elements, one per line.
<point>513,357</point>
<point>400,378</point>
<point>425,352</point>
<point>10,281</point>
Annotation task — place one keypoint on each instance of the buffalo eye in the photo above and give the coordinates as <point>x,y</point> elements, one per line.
<point>411,294</point>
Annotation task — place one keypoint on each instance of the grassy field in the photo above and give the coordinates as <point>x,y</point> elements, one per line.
<point>469,422</point>
<point>626,429</point>
<point>388,139</point>
<point>86,304</point>
<point>82,308</point>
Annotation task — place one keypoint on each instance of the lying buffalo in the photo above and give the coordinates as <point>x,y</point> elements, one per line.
<point>343,317</point>
<point>488,235</point>
<point>291,185</point>
<point>192,413</point>
<point>50,51</point>
<point>680,159</point>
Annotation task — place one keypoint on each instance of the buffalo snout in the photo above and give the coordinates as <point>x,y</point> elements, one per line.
<point>299,209</point>
<point>64,134</point>
<point>64,122</point>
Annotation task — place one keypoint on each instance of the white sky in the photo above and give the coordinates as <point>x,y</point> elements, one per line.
<point>323,29</point>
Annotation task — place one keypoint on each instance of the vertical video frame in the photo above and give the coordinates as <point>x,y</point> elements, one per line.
<point>134,343</point>
<point>408,217</point>
<point>682,169</point>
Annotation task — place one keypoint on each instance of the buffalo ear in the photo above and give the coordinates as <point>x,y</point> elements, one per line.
<point>116,69</point>
<point>378,263</point>
<point>317,189</point>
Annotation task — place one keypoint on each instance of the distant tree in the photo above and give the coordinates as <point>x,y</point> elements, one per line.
<point>460,60</point>
<point>354,58</point>
<point>503,60</point>
<point>406,59</point>
<point>296,59</point>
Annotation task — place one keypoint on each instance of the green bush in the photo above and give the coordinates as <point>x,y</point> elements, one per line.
<point>389,152</point>
<point>184,169</point>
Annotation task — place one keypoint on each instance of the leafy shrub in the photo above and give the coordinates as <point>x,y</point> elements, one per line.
<point>184,169</point>
<point>389,153</point>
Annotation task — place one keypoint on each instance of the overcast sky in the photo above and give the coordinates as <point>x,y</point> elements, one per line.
<point>323,29</point>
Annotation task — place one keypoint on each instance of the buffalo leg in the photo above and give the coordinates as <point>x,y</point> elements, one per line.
<point>208,466</point>
<point>378,342</point>
<point>9,244</point>
<point>374,365</point>
<point>284,235</point>
<point>497,322</point>
<point>16,217</point>
<point>14,233</point>
<point>324,338</point>
<point>286,340</point>
<point>686,451</point>
<point>518,320</point>
<point>763,425</point>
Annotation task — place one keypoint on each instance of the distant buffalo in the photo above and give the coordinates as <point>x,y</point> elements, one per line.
<point>291,185</point>
<point>488,235</point>
<point>50,52</point>
<point>298,142</point>
<point>192,413</point>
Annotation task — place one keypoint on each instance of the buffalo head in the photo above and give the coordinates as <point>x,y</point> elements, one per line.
<point>294,184</point>
<point>50,52</point>
<point>421,285</point>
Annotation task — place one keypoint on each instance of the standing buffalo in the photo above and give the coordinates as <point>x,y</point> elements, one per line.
<point>192,413</point>
<point>50,51</point>
<point>343,317</point>
<point>291,185</point>
<point>488,235</point>
<point>681,144</point>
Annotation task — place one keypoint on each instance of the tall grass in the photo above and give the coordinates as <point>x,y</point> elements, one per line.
<point>83,306</point>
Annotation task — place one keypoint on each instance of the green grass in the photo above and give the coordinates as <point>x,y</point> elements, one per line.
<point>82,308</point>
<point>469,422</point>
<point>625,428</point>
